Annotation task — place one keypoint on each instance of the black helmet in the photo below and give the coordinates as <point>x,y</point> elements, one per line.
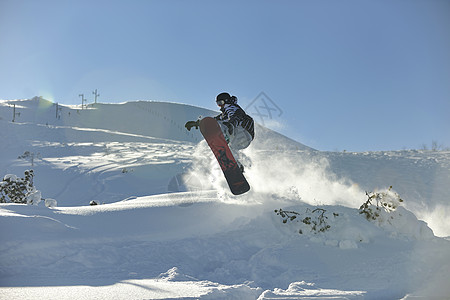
<point>225,98</point>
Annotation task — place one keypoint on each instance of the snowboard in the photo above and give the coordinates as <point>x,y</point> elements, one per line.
<point>213,135</point>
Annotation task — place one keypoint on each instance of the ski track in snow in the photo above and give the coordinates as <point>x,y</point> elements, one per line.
<point>201,242</point>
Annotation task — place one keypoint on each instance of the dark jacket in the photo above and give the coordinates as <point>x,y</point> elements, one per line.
<point>235,115</point>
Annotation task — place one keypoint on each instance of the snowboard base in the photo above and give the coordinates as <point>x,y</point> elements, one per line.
<point>213,135</point>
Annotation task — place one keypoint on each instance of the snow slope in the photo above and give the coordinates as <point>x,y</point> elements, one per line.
<point>169,229</point>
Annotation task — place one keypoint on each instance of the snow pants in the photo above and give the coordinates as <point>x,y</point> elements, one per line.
<point>239,139</point>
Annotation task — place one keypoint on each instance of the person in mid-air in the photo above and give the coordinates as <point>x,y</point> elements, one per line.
<point>238,128</point>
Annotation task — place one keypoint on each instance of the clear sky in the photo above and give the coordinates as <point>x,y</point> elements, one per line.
<point>351,75</point>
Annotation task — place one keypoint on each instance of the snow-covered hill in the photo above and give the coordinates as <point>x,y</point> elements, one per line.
<point>169,229</point>
<point>112,151</point>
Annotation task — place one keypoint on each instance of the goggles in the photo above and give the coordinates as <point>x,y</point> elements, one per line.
<point>220,102</point>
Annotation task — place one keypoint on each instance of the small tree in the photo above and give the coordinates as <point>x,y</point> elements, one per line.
<point>378,202</point>
<point>31,156</point>
<point>435,146</point>
<point>19,190</point>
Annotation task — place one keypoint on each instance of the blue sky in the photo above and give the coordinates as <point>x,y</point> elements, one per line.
<point>349,75</point>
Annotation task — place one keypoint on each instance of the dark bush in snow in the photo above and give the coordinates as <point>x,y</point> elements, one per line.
<point>380,202</point>
<point>315,219</point>
<point>19,190</point>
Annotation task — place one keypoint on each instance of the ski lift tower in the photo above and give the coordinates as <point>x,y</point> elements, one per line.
<point>83,100</point>
<point>96,95</point>
<point>15,113</point>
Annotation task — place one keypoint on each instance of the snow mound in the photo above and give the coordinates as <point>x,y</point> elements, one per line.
<point>304,290</point>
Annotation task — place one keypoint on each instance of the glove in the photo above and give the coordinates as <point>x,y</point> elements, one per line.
<point>230,127</point>
<point>191,124</point>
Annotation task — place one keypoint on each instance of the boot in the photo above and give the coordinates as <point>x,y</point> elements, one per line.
<point>240,166</point>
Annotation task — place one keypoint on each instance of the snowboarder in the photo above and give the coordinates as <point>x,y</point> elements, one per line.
<point>238,128</point>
